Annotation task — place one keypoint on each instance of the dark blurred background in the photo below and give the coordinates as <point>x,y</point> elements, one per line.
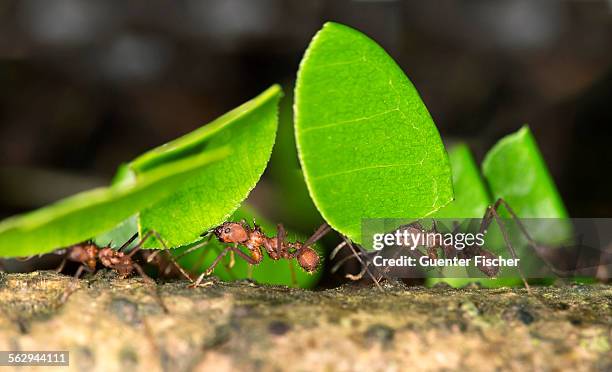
<point>85,85</point>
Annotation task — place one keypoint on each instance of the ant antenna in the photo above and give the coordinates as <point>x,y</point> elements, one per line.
<point>207,233</point>
<point>127,244</point>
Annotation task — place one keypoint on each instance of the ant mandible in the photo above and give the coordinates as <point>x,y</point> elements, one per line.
<point>241,234</point>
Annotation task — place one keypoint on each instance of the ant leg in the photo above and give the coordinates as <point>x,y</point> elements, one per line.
<point>281,236</point>
<point>343,260</point>
<point>181,255</point>
<point>416,254</point>
<point>488,217</point>
<point>209,271</point>
<point>492,212</point>
<point>141,272</point>
<point>364,264</point>
<point>211,267</point>
<point>153,285</point>
<point>194,248</point>
<point>318,234</point>
<point>232,260</point>
<point>60,268</point>
<point>519,223</point>
<point>175,264</point>
<point>358,276</point>
<point>337,249</point>
<point>23,259</point>
<point>145,237</point>
<point>73,283</point>
<point>532,243</point>
<point>294,281</point>
<point>170,257</point>
<point>432,252</point>
<point>166,249</point>
<point>200,260</point>
<point>250,260</point>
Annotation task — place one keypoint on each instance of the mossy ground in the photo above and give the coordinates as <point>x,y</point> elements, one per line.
<point>114,324</point>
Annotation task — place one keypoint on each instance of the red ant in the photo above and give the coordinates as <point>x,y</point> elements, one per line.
<point>241,234</point>
<point>449,251</point>
<point>89,254</point>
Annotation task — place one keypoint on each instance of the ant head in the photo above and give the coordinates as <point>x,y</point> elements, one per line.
<point>77,253</point>
<point>231,232</point>
<point>308,259</point>
<point>85,253</point>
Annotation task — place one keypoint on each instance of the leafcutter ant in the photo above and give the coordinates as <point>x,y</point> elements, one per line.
<point>88,254</point>
<point>241,234</point>
<point>436,248</point>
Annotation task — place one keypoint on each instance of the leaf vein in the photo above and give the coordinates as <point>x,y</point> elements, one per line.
<point>355,170</point>
<point>343,122</point>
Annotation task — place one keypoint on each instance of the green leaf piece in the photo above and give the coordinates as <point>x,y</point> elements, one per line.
<point>471,194</point>
<point>367,144</point>
<point>82,216</point>
<point>268,271</point>
<point>210,197</point>
<point>120,234</point>
<point>471,201</point>
<point>516,171</point>
<point>285,173</point>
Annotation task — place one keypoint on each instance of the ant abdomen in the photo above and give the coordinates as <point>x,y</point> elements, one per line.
<point>308,259</point>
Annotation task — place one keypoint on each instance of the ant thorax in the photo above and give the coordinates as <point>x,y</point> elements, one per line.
<point>107,256</point>
<point>255,240</point>
<point>271,246</point>
<point>117,261</point>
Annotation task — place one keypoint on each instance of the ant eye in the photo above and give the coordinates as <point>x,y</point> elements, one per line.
<point>227,230</point>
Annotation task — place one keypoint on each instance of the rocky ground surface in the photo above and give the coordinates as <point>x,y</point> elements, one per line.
<point>111,324</point>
